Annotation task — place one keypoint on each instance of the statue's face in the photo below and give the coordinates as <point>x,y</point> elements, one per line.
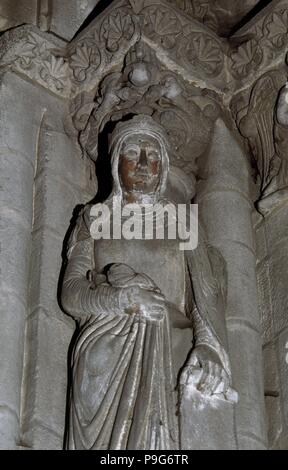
<point>140,164</point>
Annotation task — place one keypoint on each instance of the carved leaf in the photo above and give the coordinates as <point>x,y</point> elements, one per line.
<point>31,50</point>
<point>258,125</point>
<point>204,52</point>
<point>117,26</point>
<point>28,50</point>
<point>164,24</point>
<point>84,57</point>
<point>277,28</point>
<point>56,67</point>
<point>137,5</point>
<point>196,7</point>
<point>54,72</point>
<point>247,58</point>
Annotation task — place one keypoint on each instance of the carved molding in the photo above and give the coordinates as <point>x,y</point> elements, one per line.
<point>184,41</point>
<point>261,46</point>
<point>33,54</point>
<point>180,43</point>
<point>102,46</point>
<point>145,87</point>
<point>219,15</point>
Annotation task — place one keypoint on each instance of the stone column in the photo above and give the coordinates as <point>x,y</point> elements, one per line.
<point>63,180</point>
<point>21,114</point>
<point>225,207</point>
<point>43,178</point>
<point>272,268</point>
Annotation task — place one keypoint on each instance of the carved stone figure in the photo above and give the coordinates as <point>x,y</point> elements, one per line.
<point>281,136</point>
<point>151,317</point>
<point>265,128</point>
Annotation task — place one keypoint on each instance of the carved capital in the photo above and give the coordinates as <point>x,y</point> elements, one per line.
<point>266,139</point>
<point>37,56</point>
<point>260,46</point>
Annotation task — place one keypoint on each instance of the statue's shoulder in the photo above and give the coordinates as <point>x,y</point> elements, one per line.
<point>84,215</point>
<point>82,227</point>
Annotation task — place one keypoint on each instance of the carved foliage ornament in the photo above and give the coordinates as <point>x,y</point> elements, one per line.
<point>142,88</point>
<point>202,52</point>
<point>190,47</point>
<point>117,27</point>
<point>269,40</point>
<point>86,56</point>
<point>276,28</point>
<point>247,58</point>
<point>259,127</point>
<point>96,48</point>
<point>103,45</point>
<point>37,58</point>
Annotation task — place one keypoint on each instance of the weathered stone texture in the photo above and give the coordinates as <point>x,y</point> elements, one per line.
<point>272,280</point>
<point>57,192</point>
<point>68,15</point>
<point>226,212</point>
<point>14,13</point>
<point>62,18</point>
<point>44,176</point>
<point>18,150</point>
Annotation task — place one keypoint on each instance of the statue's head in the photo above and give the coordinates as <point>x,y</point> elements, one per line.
<point>140,162</point>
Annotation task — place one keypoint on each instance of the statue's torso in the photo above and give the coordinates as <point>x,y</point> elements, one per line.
<point>161,260</point>
<point>164,263</point>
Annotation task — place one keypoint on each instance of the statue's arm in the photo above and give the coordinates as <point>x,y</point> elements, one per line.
<point>202,332</point>
<point>204,337</point>
<point>80,296</point>
<point>208,366</point>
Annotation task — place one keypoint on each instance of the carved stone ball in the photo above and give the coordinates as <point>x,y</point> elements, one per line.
<point>140,75</point>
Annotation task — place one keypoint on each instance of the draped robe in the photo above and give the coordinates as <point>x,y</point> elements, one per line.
<point>123,393</point>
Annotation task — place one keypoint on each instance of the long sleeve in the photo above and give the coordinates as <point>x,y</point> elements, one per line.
<point>80,298</point>
<point>206,292</point>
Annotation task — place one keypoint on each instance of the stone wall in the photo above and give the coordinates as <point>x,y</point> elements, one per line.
<point>62,18</point>
<point>44,179</point>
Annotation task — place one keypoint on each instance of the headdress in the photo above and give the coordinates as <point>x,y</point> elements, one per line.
<point>140,124</point>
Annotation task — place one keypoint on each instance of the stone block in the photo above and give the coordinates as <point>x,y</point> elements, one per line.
<point>20,134</point>
<point>9,429</point>
<point>68,15</point>
<point>244,344</point>
<point>15,252</point>
<point>276,226</point>
<point>13,310</point>
<point>227,217</point>
<point>13,13</point>
<point>17,190</point>
<point>48,339</point>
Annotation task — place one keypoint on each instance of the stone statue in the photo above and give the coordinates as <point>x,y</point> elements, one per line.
<point>281,136</point>
<point>151,317</point>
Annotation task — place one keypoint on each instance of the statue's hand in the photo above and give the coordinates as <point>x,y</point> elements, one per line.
<point>149,303</point>
<point>282,106</point>
<point>206,372</point>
